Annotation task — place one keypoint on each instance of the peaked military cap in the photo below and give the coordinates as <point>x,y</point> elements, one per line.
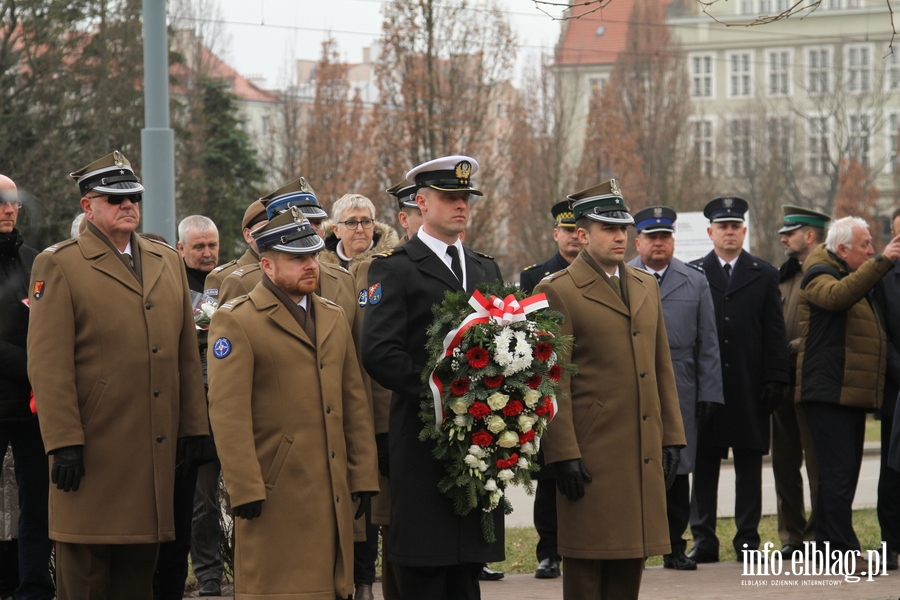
<point>297,193</point>
<point>290,232</point>
<point>726,208</point>
<point>563,214</point>
<point>255,213</point>
<point>796,217</point>
<point>405,193</point>
<point>655,218</point>
<point>111,175</point>
<point>602,202</point>
<point>447,174</point>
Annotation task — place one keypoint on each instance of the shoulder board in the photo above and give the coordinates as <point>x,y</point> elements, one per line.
<point>384,254</point>
<point>342,269</point>
<point>60,245</point>
<point>238,272</point>
<point>234,302</point>
<point>327,301</point>
<point>529,267</point>
<point>163,244</point>
<point>697,267</point>
<point>225,266</point>
<point>483,255</point>
<point>553,276</point>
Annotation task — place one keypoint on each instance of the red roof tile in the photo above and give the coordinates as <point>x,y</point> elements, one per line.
<point>582,46</point>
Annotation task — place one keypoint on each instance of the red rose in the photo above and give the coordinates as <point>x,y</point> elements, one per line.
<point>459,387</point>
<point>506,463</point>
<point>526,437</point>
<point>534,381</point>
<point>478,357</point>
<point>512,408</point>
<point>543,350</point>
<point>555,372</point>
<point>482,438</point>
<point>479,410</point>
<point>493,381</point>
<point>544,406</point>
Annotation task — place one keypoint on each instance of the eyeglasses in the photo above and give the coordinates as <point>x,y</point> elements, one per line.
<point>17,204</point>
<point>116,200</point>
<point>353,223</point>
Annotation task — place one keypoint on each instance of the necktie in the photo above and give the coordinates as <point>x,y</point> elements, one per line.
<point>309,324</point>
<point>727,268</point>
<point>455,265</point>
<point>614,280</point>
<point>658,277</point>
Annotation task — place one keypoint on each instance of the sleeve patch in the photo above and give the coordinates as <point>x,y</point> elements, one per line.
<point>38,291</point>
<point>375,293</point>
<point>221,348</point>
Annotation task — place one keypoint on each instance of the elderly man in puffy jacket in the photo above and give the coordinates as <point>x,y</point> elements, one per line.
<point>841,364</point>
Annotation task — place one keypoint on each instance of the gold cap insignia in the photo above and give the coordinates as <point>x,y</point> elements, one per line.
<point>305,187</point>
<point>614,187</point>
<point>118,159</point>
<point>463,169</point>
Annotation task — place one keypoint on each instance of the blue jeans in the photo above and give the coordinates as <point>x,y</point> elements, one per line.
<point>33,479</point>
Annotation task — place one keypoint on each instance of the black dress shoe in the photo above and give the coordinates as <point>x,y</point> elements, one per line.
<point>210,587</point>
<point>488,575</point>
<point>548,569</point>
<point>701,557</point>
<point>788,551</point>
<point>679,562</point>
<point>891,560</point>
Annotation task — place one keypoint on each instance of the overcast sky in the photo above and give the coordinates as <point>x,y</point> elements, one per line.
<point>262,35</point>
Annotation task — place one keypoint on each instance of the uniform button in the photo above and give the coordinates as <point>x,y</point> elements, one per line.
<point>337,498</point>
<point>154,349</point>
<point>727,298</point>
<point>321,365</point>
<point>160,438</point>
<point>332,454</point>
<point>727,318</point>
<point>147,306</point>
<point>727,365</point>
<point>327,410</point>
<point>726,341</point>
<point>643,374</point>
<point>156,393</point>
<point>645,416</point>
<point>646,459</point>
<point>634,332</point>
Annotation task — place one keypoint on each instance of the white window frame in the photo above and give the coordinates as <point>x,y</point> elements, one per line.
<point>854,120</point>
<point>739,157</point>
<point>824,160</point>
<point>891,69</point>
<point>827,70</point>
<point>711,140</point>
<point>710,59</point>
<point>853,82</point>
<point>788,76</point>
<point>746,77</point>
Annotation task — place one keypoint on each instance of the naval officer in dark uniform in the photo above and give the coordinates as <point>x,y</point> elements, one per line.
<point>440,554</point>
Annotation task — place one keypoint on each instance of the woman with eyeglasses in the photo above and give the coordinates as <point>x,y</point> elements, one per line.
<point>355,234</point>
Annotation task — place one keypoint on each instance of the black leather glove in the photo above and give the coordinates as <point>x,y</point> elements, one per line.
<point>384,463</point>
<point>773,395</point>
<point>571,477</point>
<point>187,454</point>
<point>248,511</point>
<point>365,502</point>
<point>706,414</point>
<point>68,468</point>
<point>671,456</point>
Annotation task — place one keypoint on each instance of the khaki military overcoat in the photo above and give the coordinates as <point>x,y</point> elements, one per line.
<point>300,437</point>
<point>616,414</point>
<point>213,281</point>
<point>114,367</point>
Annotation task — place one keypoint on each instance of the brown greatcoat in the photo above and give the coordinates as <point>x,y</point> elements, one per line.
<point>115,368</point>
<point>300,437</point>
<point>616,414</point>
<point>213,281</point>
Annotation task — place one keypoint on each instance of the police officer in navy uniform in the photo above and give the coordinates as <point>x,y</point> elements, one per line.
<point>753,350</point>
<point>440,554</point>
<point>566,240</point>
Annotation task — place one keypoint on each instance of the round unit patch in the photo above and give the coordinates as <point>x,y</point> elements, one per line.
<point>221,348</point>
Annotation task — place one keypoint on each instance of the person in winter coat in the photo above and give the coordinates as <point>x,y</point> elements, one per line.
<point>355,234</point>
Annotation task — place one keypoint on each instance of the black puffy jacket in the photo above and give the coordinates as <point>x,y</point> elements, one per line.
<point>15,272</point>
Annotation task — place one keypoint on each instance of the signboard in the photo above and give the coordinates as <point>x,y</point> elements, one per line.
<point>692,241</point>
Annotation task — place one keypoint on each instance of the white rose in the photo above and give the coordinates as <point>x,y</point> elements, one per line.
<point>459,407</point>
<point>505,475</point>
<point>523,463</point>
<point>490,485</point>
<point>531,398</point>
<point>527,448</point>
<point>497,400</point>
<point>476,451</point>
<point>482,466</point>
<point>462,420</point>
<point>526,422</point>
<point>508,439</point>
<point>471,461</point>
<point>496,424</point>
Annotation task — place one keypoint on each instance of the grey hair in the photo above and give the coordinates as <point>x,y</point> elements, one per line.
<point>841,232</point>
<point>198,223</point>
<point>76,226</point>
<point>351,202</point>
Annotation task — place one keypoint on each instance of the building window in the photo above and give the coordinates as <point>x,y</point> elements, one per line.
<point>832,4</point>
<point>739,139</point>
<point>597,84</point>
<point>266,127</point>
<point>894,141</point>
<point>499,110</point>
<point>859,68</point>
<point>740,74</point>
<point>854,3</point>
<point>746,7</point>
<point>860,148</point>
<point>892,65</point>
<point>701,66</point>
<point>782,5</point>
<point>818,70</point>
<point>704,146</point>
<point>764,7</point>
<point>780,136</point>
<point>817,146</point>
<point>779,65</point>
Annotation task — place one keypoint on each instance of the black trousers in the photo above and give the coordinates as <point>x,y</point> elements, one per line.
<point>172,560</point>
<point>888,491</point>
<point>456,582</point>
<point>838,433</point>
<point>747,501</point>
<point>365,554</point>
<point>545,519</point>
<point>678,511</point>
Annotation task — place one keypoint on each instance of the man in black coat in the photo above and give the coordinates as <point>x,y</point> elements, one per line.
<point>545,493</point>
<point>440,554</point>
<point>753,349</point>
<point>18,423</point>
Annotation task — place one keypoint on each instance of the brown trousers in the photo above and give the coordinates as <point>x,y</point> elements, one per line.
<point>585,579</point>
<point>105,571</point>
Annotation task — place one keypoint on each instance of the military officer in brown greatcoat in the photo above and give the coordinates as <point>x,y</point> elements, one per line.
<point>614,445</point>
<point>112,356</point>
<point>287,394</point>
